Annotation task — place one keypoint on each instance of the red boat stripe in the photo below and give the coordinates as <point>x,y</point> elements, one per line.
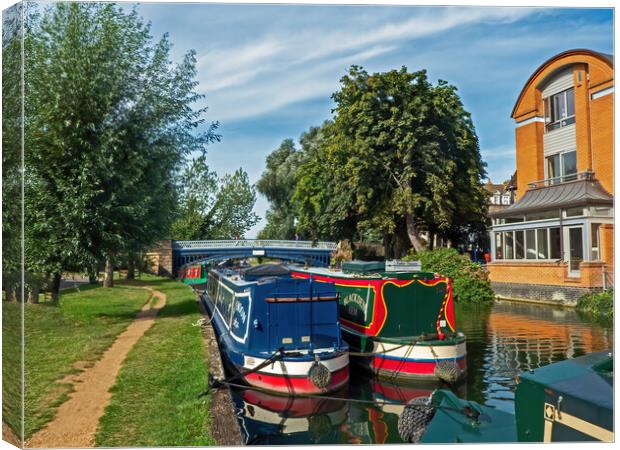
<point>413,367</point>
<point>300,385</point>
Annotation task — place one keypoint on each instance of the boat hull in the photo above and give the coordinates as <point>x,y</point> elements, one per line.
<point>398,361</point>
<point>291,377</point>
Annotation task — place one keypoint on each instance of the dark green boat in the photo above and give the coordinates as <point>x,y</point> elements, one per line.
<point>564,402</point>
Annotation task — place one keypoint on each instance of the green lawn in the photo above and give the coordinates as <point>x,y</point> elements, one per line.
<point>11,366</point>
<point>154,400</point>
<point>56,337</point>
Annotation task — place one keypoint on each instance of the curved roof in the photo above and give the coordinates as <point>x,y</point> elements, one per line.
<point>609,59</point>
<point>574,193</point>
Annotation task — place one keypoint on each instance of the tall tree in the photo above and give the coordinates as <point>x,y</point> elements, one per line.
<point>400,157</point>
<point>277,183</point>
<point>322,198</point>
<point>109,121</point>
<point>12,127</point>
<point>213,208</point>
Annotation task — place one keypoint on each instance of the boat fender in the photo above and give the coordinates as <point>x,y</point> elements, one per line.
<point>448,371</point>
<point>319,374</point>
<point>319,425</point>
<point>414,420</point>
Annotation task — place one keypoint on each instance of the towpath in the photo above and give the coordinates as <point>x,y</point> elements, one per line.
<point>77,419</point>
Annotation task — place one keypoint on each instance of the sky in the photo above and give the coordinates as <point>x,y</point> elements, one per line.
<point>268,71</point>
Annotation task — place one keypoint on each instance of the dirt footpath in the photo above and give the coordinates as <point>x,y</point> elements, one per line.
<point>76,420</point>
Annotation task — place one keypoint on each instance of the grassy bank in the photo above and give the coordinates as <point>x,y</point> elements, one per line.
<point>154,400</point>
<point>599,305</point>
<point>11,366</point>
<point>57,338</point>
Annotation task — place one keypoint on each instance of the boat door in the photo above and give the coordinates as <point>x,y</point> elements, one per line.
<point>284,324</point>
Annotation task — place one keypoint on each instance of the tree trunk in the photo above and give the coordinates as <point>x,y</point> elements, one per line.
<point>9,289</point>
<point>387,247</point>
<point>108,277</point>
<point>33,295</point>
<point>431,240</point>
<point>131,268</point>
<point>412,232</point>
<point>56,288</point>
<point>93,275</point>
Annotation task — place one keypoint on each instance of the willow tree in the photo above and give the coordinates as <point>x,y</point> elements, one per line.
<point>401,157</point>
<point>109,121</point>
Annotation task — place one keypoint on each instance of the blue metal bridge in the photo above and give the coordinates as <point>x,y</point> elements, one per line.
<point>313,253</point>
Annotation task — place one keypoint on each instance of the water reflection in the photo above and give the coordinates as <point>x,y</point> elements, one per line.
<point>502,341</point>
<point>510,338</point>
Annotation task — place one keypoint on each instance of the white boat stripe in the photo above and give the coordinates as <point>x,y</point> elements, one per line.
<point>295,368</point>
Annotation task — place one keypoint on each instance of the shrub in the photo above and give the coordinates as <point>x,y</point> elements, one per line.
<point>470,282</point>
<point>598,304</point>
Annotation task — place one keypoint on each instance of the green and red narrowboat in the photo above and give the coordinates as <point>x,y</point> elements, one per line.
<point>399,324</point>
<point>194,274</point>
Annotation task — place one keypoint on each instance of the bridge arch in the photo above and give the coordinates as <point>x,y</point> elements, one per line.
<point>313,253</point>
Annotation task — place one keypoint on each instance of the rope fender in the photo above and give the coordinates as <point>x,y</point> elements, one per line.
<point>415,418</point>
<point>319,374</point>
<point>448,371</point>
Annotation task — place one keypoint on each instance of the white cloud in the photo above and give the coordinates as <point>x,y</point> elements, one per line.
<point>286,66</point>
<point>501,152</point>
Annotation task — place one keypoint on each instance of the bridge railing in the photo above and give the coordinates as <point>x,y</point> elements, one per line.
<point>231,243</point>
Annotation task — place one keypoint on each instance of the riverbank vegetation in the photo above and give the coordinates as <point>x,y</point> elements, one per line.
<point>598,305</point>
<point>470,282</point>
<point>60,341</point>
<point>155,398</point>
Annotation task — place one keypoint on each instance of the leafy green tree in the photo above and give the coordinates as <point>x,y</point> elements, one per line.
<point>322,198</point>
<point>109,121</point>
<point>212,208</point>
<point>277,184</point>
<point>12,126</point>
<point>401,157</point>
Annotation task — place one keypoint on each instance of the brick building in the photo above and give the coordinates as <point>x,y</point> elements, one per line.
<point>556,241</point>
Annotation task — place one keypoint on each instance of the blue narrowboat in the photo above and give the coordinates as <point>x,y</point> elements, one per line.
<point>277,332</point>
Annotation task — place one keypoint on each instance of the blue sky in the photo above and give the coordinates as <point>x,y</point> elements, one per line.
<point>268,70</point>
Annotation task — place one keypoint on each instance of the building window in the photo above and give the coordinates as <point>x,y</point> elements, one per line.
<point>595,239</point>
<point>573,212</point>
<point>542,215</point>
<point>555,243</point>
<point>499,254</point>
<point>496,199</point>
<point>562,167</point>
<point>541,243</point>
<point>506,199</point>
<point>508,237</point>
<point>519,244</point>
<point>560,110</point>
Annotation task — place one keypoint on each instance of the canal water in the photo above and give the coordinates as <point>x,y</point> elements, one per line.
<point>502,341</point>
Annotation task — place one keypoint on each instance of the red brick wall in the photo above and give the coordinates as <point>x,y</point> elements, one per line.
<point>546,273</point>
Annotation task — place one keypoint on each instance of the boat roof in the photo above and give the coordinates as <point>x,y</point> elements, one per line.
<point>261,273</point>
<point>589,378</point>
<point>324,271</point>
